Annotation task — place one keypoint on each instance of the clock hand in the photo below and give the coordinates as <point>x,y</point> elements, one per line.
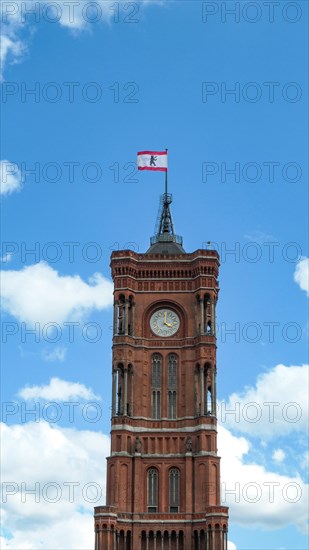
<point>165,322</point>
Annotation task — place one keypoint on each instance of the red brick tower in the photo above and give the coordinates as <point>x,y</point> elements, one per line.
<point>163,473</point>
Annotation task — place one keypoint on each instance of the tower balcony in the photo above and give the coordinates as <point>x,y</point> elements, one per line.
<point>210,512</point>
<point>166,238</point>
<point>199,339</point>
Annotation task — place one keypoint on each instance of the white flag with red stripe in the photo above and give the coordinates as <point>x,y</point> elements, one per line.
<point>152,160</point>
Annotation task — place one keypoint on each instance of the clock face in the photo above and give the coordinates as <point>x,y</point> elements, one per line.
<point>164,322</point>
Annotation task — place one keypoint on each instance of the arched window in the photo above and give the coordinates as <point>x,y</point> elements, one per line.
<point>172,386</point>
<point>152,490</point>
<point>174,490</point>
<point>156,383</point>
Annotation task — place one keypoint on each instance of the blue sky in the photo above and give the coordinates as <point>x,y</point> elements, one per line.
<point>151,75</point>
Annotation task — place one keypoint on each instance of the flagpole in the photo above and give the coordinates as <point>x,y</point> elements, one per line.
<point>166,176</point>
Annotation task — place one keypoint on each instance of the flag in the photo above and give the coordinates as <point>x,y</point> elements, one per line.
<point>152,160</point>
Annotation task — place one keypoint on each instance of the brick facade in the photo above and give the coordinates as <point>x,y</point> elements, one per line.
<point>163,472</point>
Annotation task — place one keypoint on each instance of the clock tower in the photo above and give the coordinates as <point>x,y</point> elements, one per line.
<point>163,472</point>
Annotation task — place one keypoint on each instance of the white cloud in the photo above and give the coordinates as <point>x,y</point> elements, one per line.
<point>75,16</point>
<point>38,294</point>
<point>84,15</point>
<point>75,531</point>
<point>12,44</point>
<point>52,457</point>
<point>257,497</point>
<point>10,178</point>
<point>57,354</point>
<point>58,390</point>
<point>278,455</point>
<point>304,460</point>
<point>301,274</point>
<point>260,237</point>
<point>6,258</point>
<point>35,455</point>
<point>231,545</point>
<point>277,405</point>
<point>10,48</point>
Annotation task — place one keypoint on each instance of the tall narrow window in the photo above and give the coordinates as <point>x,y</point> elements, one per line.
<point>131,316</point>
<point>156,385</point>
<point>152,490</point>
<point>121,315</point>
<point>172,386</point>
<point>174,490</point>
<point>119,382</point>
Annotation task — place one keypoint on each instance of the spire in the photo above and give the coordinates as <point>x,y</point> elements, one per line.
<point>165,217</point>
<point>165,241</point>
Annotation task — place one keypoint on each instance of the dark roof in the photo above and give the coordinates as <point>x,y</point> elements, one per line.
<point>165,247</point>
<point>165,241</point>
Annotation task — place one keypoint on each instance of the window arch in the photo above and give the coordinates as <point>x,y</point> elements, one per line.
<point>156,383</point>
<point>174,482</point>
<point>152,489</point>
<point>172,386</point>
